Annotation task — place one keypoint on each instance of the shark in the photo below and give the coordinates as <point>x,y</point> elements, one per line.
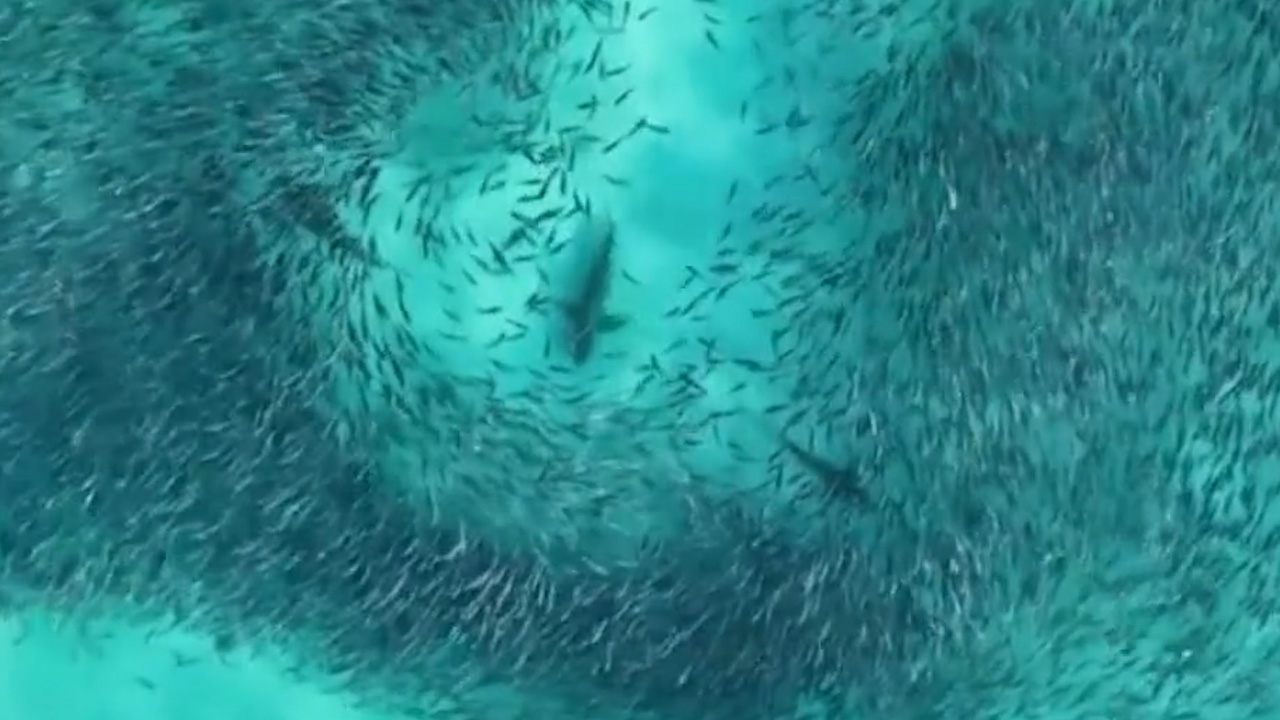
<point>838,480</point>
<point>584,289</point>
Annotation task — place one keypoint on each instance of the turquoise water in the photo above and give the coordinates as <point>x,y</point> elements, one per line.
<point>694,359</point>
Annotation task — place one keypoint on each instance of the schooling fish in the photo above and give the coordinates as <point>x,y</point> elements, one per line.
<point>584,287</point>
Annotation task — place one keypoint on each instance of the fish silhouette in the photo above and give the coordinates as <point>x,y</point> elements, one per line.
<point>585,288</point>
<point>842,481</point>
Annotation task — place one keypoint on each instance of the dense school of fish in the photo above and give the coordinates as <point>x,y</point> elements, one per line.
<point>1013,286</point>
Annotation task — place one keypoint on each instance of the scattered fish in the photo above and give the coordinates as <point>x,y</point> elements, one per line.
<point>1039,233</point>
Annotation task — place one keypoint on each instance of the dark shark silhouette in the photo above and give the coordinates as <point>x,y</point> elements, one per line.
<point>838,480</point>
<point>582,300</point>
